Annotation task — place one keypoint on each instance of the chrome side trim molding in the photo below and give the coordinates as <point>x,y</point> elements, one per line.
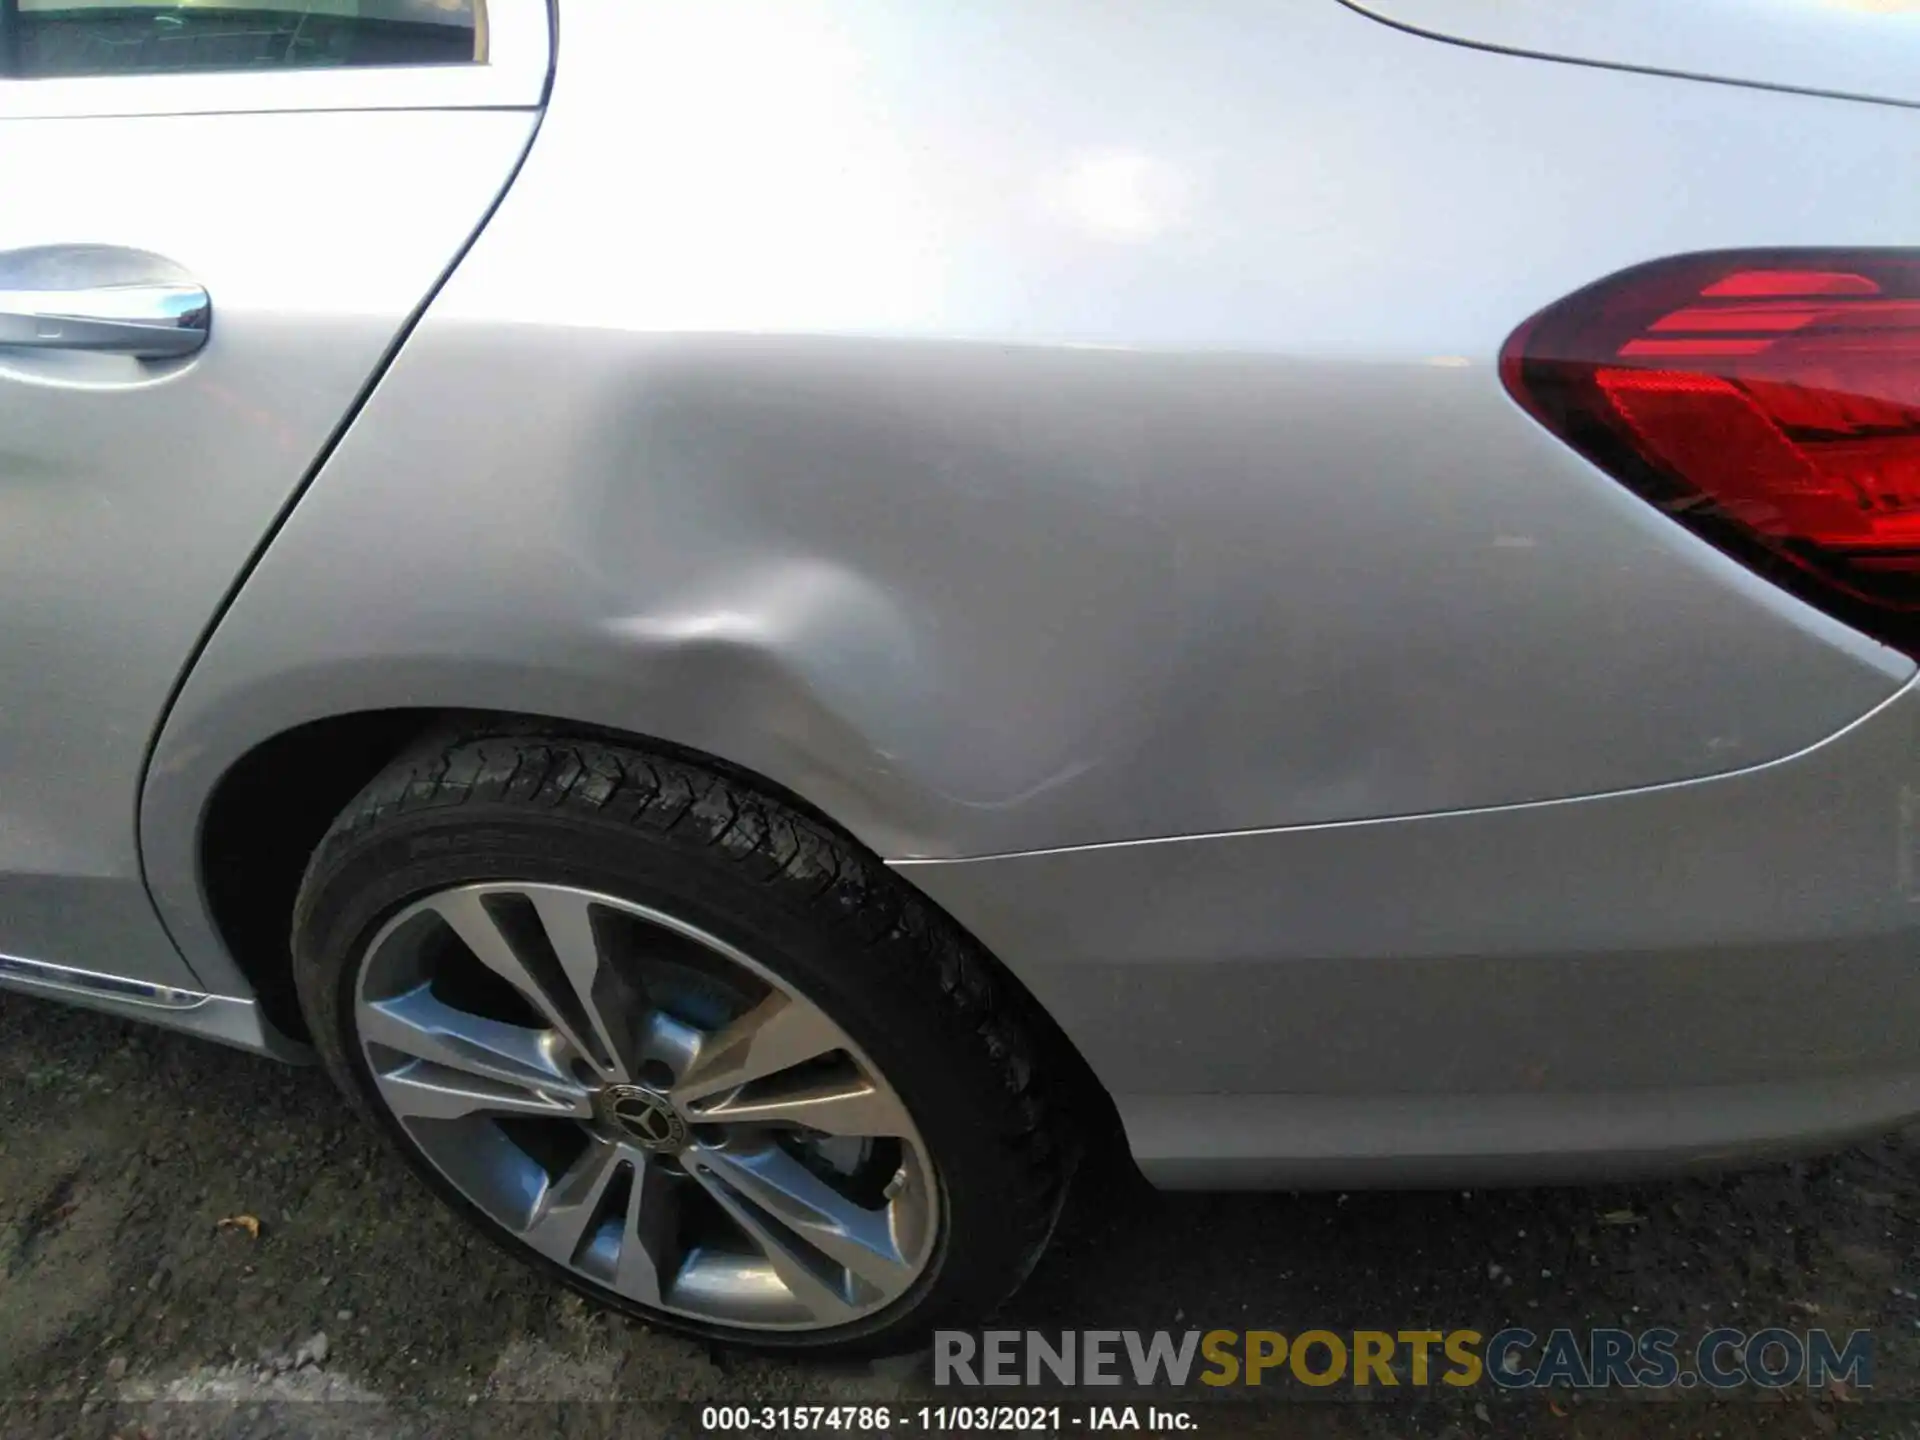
<point>43,975</point>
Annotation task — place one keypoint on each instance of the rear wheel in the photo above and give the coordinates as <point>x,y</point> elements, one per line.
<point>679,1045</point>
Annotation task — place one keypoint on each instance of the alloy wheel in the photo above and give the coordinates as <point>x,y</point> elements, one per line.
<point>646,1106</point>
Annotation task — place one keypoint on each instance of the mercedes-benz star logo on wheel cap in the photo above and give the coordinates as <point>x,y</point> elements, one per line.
<point>645,1116</point>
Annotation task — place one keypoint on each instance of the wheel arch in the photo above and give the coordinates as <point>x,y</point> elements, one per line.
<point>265,812</point>
<point>269,808</point>
<point>260,701</point>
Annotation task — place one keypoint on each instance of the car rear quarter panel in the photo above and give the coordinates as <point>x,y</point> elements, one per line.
<point>1017,427</point>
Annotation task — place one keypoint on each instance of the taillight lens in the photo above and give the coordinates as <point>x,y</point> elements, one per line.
<point>1768,399</point>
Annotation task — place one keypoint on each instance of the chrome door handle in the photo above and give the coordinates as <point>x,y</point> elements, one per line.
<point>101,299</point>
<point>148,322</point>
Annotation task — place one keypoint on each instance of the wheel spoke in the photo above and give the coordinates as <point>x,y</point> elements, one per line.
<point>422,1025</point>
<point>564,1214</point>
<point>798,1271</point>
<point>459,1064</point>
<point>850,1105</point>
<point>420,1090</point>
<point>469,918</point>
<point>646,1232</point>
<point>598,987</point>
<point>793,1204</point>
<point>776,1034</point>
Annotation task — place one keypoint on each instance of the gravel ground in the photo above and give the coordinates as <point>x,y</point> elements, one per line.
<point>127,1308</point>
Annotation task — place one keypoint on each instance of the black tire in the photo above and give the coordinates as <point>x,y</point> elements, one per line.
<point>917,994</point>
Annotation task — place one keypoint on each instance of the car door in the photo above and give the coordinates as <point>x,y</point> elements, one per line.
<point>216,224</point>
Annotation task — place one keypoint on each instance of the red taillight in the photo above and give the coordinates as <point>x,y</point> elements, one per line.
<point>1768,399</point>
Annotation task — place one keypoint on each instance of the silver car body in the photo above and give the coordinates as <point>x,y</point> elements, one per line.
<point>1063,444</point>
